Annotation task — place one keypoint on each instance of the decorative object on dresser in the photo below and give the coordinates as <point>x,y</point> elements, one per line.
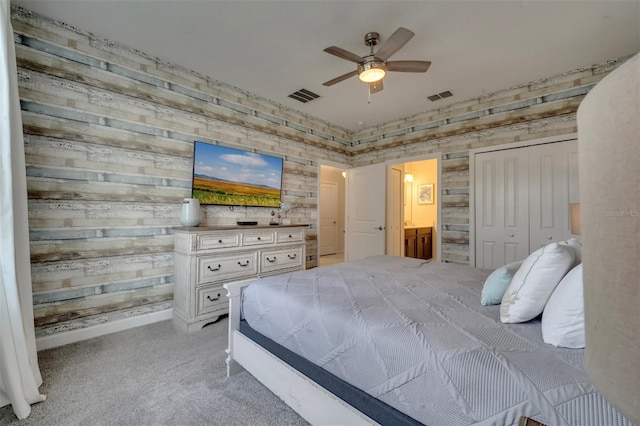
<point>190,212</point>
<point>285,208</point>
<point>207,257</point>
<point>273,218</point>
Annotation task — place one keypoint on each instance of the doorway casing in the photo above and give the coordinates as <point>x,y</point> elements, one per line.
<point>338,168</point>
<point>395,194</point>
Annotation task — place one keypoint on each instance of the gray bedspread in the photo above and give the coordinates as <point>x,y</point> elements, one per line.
<point>413,334</point>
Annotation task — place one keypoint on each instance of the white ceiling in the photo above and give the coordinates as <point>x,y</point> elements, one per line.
<point>273,48</point>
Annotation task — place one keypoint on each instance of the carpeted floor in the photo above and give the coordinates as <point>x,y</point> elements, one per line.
<point>150,375</point>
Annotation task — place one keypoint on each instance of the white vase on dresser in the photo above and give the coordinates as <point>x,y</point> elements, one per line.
<point>190,212</point>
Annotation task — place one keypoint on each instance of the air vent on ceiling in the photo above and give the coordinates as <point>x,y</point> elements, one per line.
<point>304,95</point>
<point>440,95</point>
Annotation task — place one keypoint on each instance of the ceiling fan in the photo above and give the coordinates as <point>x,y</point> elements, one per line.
<point>373,67</point>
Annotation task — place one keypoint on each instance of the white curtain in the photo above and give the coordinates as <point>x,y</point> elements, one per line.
<point>19,371</point>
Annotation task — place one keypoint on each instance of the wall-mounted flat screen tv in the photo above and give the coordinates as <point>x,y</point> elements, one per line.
<point>233,177</point>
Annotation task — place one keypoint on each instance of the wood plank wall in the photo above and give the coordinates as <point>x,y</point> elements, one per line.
<point>109,135</point>
<point>109,142</point>
<point>530,111</point>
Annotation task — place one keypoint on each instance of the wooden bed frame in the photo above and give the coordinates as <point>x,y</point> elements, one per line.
<point>311,401</point>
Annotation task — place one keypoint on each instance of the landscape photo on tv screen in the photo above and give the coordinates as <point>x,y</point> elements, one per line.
<point>234,177</point>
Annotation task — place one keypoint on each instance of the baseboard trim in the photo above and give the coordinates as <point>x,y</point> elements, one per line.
<point>72,336</point>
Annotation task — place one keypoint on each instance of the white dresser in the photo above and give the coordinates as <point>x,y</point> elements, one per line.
<point>207,257</point>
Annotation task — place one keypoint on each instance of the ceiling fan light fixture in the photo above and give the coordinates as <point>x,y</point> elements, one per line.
<point>373,67</point>
<point>371,72</point>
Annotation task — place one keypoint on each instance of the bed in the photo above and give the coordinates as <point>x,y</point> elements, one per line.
<point>403,341</point>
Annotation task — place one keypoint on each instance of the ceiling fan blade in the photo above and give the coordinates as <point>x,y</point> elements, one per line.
<point>344,54</point>
<point>394,43</point>
<point>340,78</point>
<point>408,66</point>
<point>375,87</point>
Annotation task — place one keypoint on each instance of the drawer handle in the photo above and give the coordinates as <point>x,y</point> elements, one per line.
<point>290,236</point>
<point>213,299</point>
<point>271,260</point>
<point>214,269</point>
<point>292,257</point>
<point>219,241</point>
<point>259,238</point>
<point>243,265</point>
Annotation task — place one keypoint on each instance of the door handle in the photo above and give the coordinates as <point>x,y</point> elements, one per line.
<point>379,228</point>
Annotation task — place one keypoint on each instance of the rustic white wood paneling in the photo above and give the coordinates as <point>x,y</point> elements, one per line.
<point>109,135</point>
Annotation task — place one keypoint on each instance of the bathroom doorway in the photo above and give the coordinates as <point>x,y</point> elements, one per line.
<point>420,188</point>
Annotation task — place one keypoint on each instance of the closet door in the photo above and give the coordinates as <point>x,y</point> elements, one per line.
<point>502,214</point>
<point>522,198</point>
<point>553,178</point>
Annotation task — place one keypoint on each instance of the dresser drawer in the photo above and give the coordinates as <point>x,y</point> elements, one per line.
<point>212,298</point>
<point>207,242</point>
<point>257,238</point>
<point>284,236</point>
<point>219,268</point>
<point>273,260</point>
<point>207,257</point>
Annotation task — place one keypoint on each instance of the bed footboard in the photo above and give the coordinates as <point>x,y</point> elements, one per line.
<point>314,403</point>
<point>234,293</point>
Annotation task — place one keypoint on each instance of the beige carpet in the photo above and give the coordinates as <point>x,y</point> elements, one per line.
<point>150,375</point>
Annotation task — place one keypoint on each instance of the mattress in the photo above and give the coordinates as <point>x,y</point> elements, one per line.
<point>371,407</point>
<point>413,334</point>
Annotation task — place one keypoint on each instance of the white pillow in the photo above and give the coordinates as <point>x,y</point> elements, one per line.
<point>576,246</point>
<point>534,282</point>
<point>496,284</point>
<point>563,317</point>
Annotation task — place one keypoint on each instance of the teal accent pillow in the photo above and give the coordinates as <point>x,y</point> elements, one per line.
<point>496,283</point>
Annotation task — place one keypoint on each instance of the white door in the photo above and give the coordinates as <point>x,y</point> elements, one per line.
<point>553,175</point>
<point>328,218</point>
<point>365,211</point>
<point>522,200</point>
<point>502,207</point>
